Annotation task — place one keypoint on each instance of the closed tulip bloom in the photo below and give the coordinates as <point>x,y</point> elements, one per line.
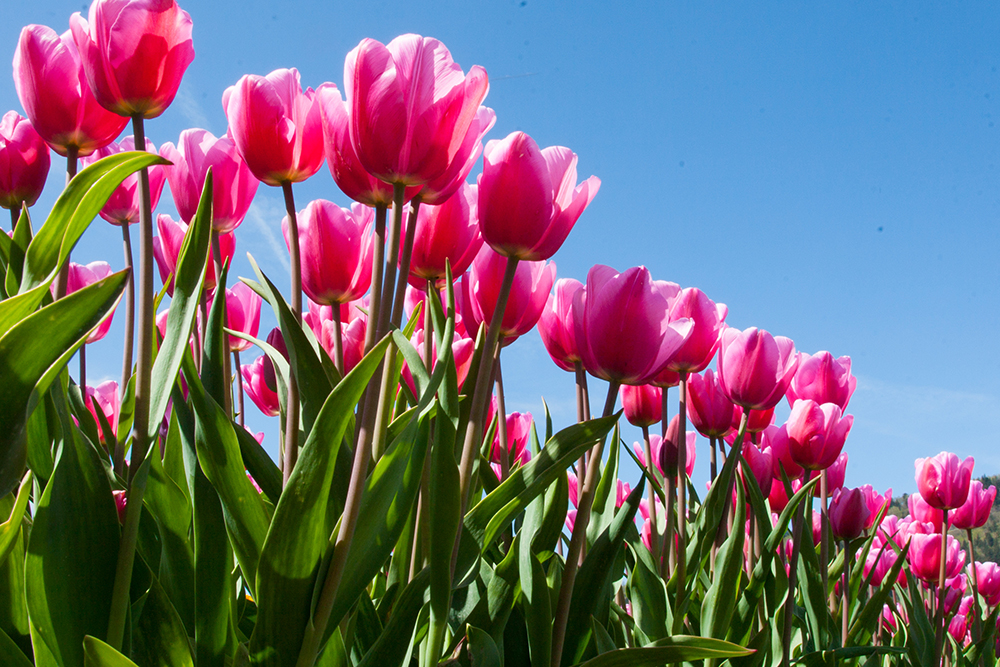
<point>337,246</point>
<point>352,338</point>
<point>233,186</point>
<point>82,275</point>
<point>836,473</point>
<point>642,403</point>
<point>264,397</point>
<point>944,479</point>
<point>242,314</point>
<point>924,513</point>
<point>667,459</point>
<point>816,433</point>
<point>776,438</point>
<point>988,577</point>
<point>167,248</point>
<point>666,379</point>
<point>709,320</point>
<point>439,190</point>
<point>528,198</point>
<point>625,333</point>
<point>276,126</point>
<point>557,324</point>
<point>461,349</point>
<point>823,379</point>
<point>848,513</point>
<point>755,367</point>
<point>105,395</point>
<point>411,107</point>
<point>756,422</point>
<point>518,433</point>
<point>53,89</point>
<point>925,557</point>
<point>761,464</point>
<point>122,207</point>
<point>975,512</point>
<point>875,502</point>
<point>878,564</point>
<point>134,53</point>
<point>708,408</point>
<point>445,233</point>
<point>24,162</point>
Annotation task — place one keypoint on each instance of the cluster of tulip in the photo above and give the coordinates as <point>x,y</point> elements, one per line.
<point>410,517</point>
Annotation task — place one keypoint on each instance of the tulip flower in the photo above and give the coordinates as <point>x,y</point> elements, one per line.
<point>925,557</point>
<point>709,320</point>
<point>659,457</point>
<point>823,379</point>
<point>943,480</point>
<point>879,562</point>
<point>848,513</point>
<point>836,472</point>
<point>624,333</point>
<point>276,126</point>
<point>755,367</point>
<point>83,275</point>
<point>557,324</point>
<point>518,433</point>
<point>461,347</point>
<point>642,403</point>
<point>757,421</point>
<point>120,504</point>
<point>708,408</point>
<point>875,502</point>
<point>449,232</point>
<point>53,89</point>
<point>761,464</point>
<point>242,314</point>
<point>924,513</point>
<point>958,626</point>
<point>441,189</point>
<point>123,207</point>
<point>134,53</point>
<point>816,433</point>
<point>352,340</point>
<point>528,198</point>
<point>976,510</point>
<point>776,438</point>
<point>233,186</point>
<point>987,578</point>
<point>105,397</point>
<point>24,162</point>
<point>264,397</point>
<point>167,248</point>
<point>411,107</point>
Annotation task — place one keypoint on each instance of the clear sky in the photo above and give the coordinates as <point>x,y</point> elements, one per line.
<point>828,170</point>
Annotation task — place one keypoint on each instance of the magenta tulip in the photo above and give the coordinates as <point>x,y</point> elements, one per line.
<point>879,562</point>
<point>24,162</point>
<point>988,578</point>
<point>755,367</point>
<point>105,396</point>
<point>760,460</point>
<point>756,422</point>
<point>445,233</point>
<point>122,208</point>
<point>925,557</point>
<point>625,333</point>
<point>823,379</point>
<point>876,502</point>
<point>352,338</point>
<point>439,190</point>
<point>134,53</point>
<point>82,275</point>
<point>943,480</point>
<point>708,408</point>
<point>924,513</point>
<point>643,404</point>
<point>848,513</point>
<point>528,198</point>
<point>167,248</point>
<point>836,473</point>
<point>411,107</point>
<point>518,434</point>
<point>461,349</point>
<point>276,127</point>
<point>975,511</point>
<point>242,314</point>
<point>263,396</point>
<point>233,186</point>
<point>816,433</point>
<point>709,320</point>
<point>53,89</point>
<point>776,438</point>
<point>665,450</point>
<point>557,325</point>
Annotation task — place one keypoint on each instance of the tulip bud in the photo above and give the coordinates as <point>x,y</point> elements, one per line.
<point>642,403</point>
<point>24,162</point>
<point>755,367</point>
<point>848,513</point>
<point>975,512</point>
<point>943,480</point>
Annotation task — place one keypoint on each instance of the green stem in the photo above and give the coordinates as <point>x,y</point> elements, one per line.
<point>389,280</point>
<point>942,571</point>
<point>83,370</point>
<point>404,264</point>
<point>63,279</point>
<point>682,509</point>
<point>239,385</point>
<point>338,340</point>
<point>227,368</point>
<point>654,532</point>
<point>977,622</point>
<point>292,408</point>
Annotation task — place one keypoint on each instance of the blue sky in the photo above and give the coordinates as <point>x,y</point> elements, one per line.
<point>828,170</point>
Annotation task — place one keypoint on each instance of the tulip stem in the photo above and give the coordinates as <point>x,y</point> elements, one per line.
<point>824,548</point>
<point>292,408</point>
<point>431,293</point>
<point>129,310</point>
<point>654,531</point>
<point>502,452</point>
<point>579,537</point>
<point>713,464</point>
<point>338,339</point>
<point>386,309</point>
<point>83,370</point>
<point>942,570</point>
<point>63,280</point>
<point>977,622</point>
<point>15,215</point>
<point>220,292</point>
<point>239,386</point>
<point>404,264</point>
<point>582,412</point>
<point>378,265</point>
<point>786,635</point>
<point>682,509</point>
<point>846,593</point>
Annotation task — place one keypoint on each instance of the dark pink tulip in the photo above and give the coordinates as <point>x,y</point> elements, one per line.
<point>761,464</point>
<point>461,348</point>
<point>411,107</point>
<point>625,333</point>
<point>105,395</point>
<point>708,408</point>
<point>134,53</point>
<point>439,190</point>
<point>317,314</point>
<point>879,562</point>
<point>817,527</point>
<point>776,438</point>
<point>976,510</point>
<point>352,338</point>
<point>53,89</point>
<point>449,232</point>
<point>82,275</point>
<point>643,404</point>
<point>276,127</point>
<point>958,626</point>
<point>666,379</point>
<point>988,577</point>
<point>757,422</point>
<point>528,198</point>
<point>709,320</point>
<point>263,396</point>
<point>120,503</point>
<point>24,162</point>
<point>944,479</point>
<point>242,314</point>
<point>848,513</point>
<point>233,186</point>
<point>167,248</point>
<point>532,284</point>
<point>557,325</point>
<point>816,433</point>
<point>823,379</point>
<point>924,513</point>
<point>518,434</point>
<point>336,245</point>
<point>755,367</point>
<point>876,502</point>
<point>667,460</point>
<point>122,206</point>
<point>836,473</point>
<point>925,557</point>
<point>778,498</point>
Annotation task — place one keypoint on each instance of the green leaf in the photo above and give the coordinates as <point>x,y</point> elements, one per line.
<point>602,640</point>
<point>867,620</point>
<point>720,601</point>
<point>605,495</point>
<point>10,654</point>
<point>836,656</point>
<point>391,647</point>
<point>537,603</point>
<point>483,651</point>
<point>11,528</point>
<point>159,637</point>
<point>260,465</point>
<point>647,593</point>
<point>17,246</point>
<point>99,654</point>
<point>678,648</point>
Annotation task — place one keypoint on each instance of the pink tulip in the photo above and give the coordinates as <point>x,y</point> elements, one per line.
<point>943,480</point>
<point>955,588</point>
<point>83,275</point>
<point>667,460</point>
<point>531,287</point>
<point>924,513</point>
<point>925,557</point>
<point>875,502</point>
<point>441,189</point>
<point>574,489</point>
<point>709,320</point>
<point>336,245</point>
<point>134,53</point>
<point>317,315</point>
<point>756,422</point>
<point>625,333</point>
<point>263,396</point>
<point>708,408</point>
<point>976,510</point>
<point>53,89</point>
<point>889,619</point>
<point>445,233</point>
<point>755,367</point>
<point>24,162</point>
<point>518,434</point>
<point>642,403</point>
<point>848,513</point>
<point>836,472</point>
<point>242,314</point>
<point>817,527</point>
<point>123,205</point>
<point>816,433</point>
<point>276,127</point>
<point>958,626</point>
<point>879,562</point>
<point>622,491</point>
<point>411,107</point>
<point>167,248</point>
<point>778,498</point>
<point>823,379</point>
<point>557,324</point>
<point>666,378</point>
<point>105,396</point>
<point>120,504</point>
<point>988,578</point>
<point>352,338</point>
<point>233,186</point>
<point>528,198</point>
<point>461,348</point>
<point>776,438</point>
<point>760,462</point>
